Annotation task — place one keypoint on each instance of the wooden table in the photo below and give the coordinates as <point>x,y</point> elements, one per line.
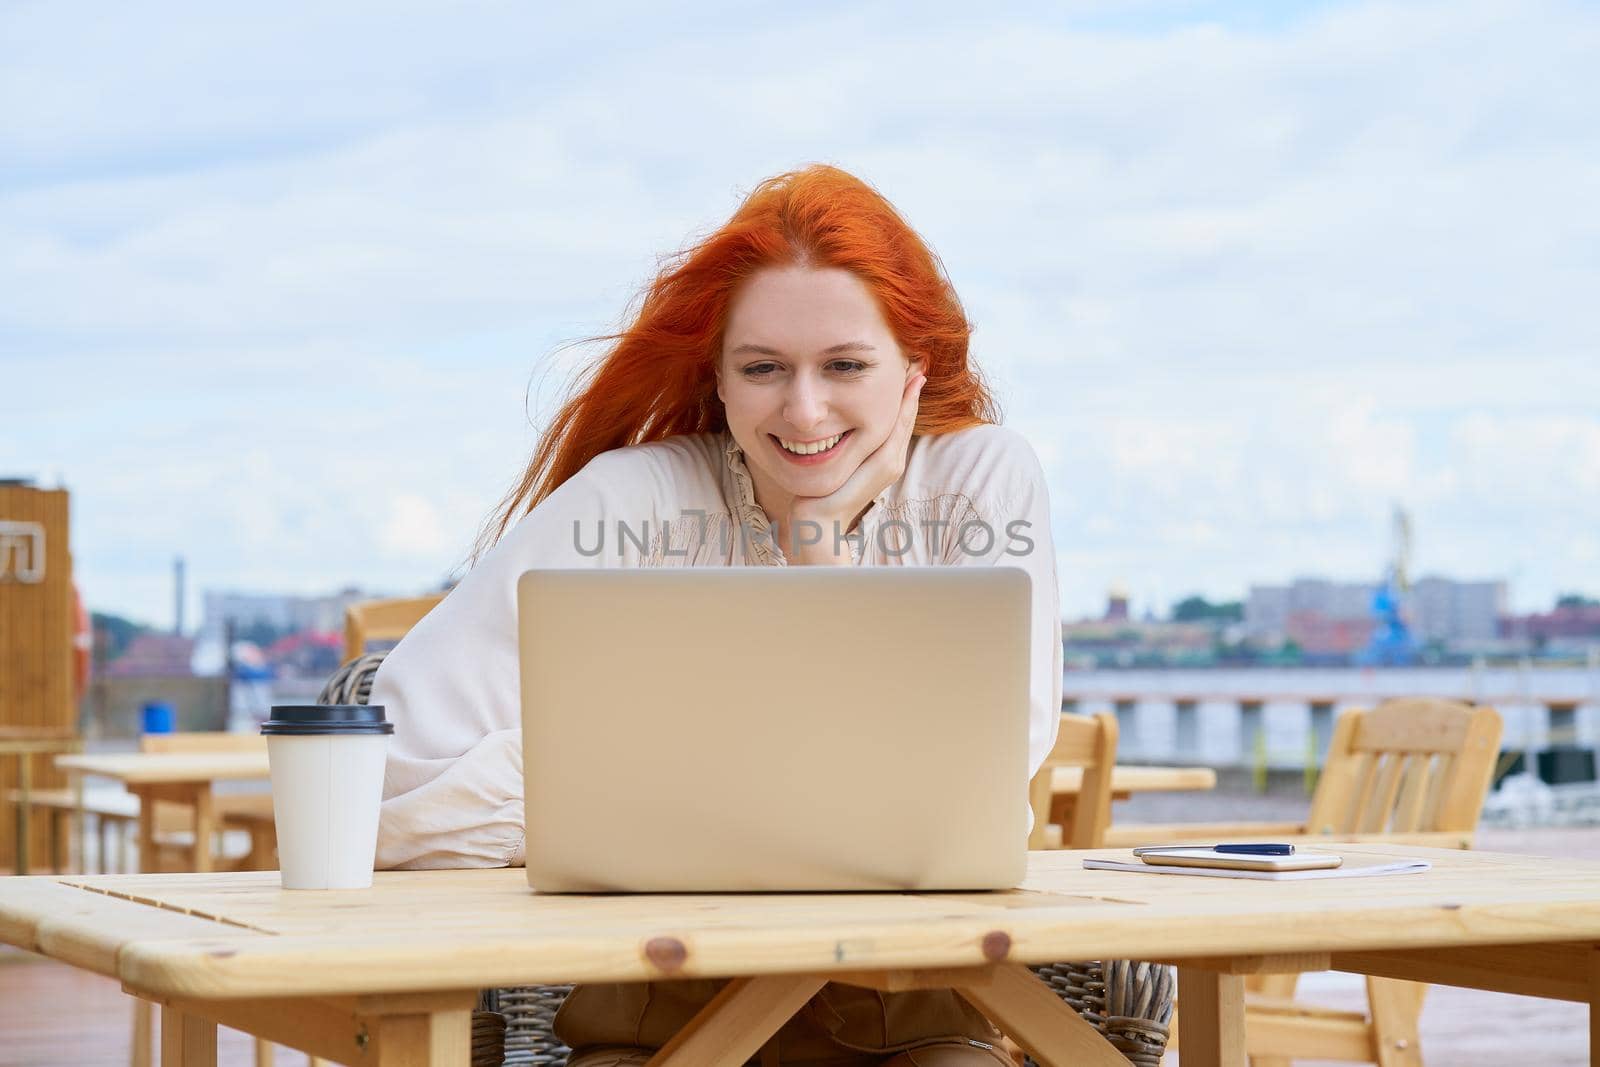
<point>183,778</point>
<point>388,975</point>
<point>189,779</point>
<point>24,742</point>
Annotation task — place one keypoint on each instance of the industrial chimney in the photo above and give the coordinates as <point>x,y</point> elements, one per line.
<point>177,581</point>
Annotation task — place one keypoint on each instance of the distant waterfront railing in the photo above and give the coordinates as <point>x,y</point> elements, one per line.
<point>1276,732</point>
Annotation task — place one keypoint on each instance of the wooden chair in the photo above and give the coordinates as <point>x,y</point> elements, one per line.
<point>383,620</point>
<point>1083,741</point>
<point>1411,771</point>
<point>1414,771</point>
<point>114,812</point>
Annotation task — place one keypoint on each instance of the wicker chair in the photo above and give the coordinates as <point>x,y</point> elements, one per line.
<point>1127,1001</point>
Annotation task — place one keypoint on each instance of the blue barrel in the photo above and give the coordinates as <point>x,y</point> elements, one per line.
<point>157,717</point>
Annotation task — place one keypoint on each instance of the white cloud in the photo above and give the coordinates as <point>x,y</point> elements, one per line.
<point>276,285</point>
<point>412,529</point>
<point>1496,454</point>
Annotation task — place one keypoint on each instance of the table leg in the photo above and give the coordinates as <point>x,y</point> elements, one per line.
<point>205,827</point>
<point>80,825</point>
<point>187,1040</point>
<point>1211,1019</point>
<point>1594,1002</point>
<point>57,864</point>
<point>738,1021</point>
<point>24,806</point>
<point>434,1039</point>
<point>147,830</point>
<point>399,1030</point>
<point>1033,1016</point>
<point>143,1012</point>
<point>1396,1009</point>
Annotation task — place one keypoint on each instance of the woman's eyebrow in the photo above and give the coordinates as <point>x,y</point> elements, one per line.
<point>763,350</point>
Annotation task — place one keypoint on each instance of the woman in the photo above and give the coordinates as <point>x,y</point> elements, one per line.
<point>794,390</point>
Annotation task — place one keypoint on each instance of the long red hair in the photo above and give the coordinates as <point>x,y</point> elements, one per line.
<point>658,377</point>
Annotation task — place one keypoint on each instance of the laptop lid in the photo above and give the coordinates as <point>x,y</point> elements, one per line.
<point>700,730</point>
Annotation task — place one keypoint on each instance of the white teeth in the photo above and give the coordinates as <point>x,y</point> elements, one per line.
<point>811,449</point>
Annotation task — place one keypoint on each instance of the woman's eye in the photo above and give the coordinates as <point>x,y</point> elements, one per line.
<point>849,366</point>
<point>759,370</point>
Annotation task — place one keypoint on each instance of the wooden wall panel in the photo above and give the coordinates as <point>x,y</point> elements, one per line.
<point>36,624</point>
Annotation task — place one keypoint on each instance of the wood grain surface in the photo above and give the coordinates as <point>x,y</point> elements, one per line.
<point>240,935</point>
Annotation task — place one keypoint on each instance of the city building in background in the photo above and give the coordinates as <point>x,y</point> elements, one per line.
<point>1195,636</point>
<point>1327,619</point>
<point>1457,613</point>
<point>1323,622</point>
<point>263,618</point>
<point>273,634</point>
<point>1317,616</point>
<point>1572,628</point>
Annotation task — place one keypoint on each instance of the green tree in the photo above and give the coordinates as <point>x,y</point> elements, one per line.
<point>1199,609</point>
<point>1576,600</point>
<point>116,633</point>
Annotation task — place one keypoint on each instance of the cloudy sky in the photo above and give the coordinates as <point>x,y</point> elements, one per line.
<point>281,290</point>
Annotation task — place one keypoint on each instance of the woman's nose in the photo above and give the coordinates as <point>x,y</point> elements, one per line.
<point>805,406</point>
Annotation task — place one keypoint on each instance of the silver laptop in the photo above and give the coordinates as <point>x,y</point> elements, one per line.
<point>724,730</point>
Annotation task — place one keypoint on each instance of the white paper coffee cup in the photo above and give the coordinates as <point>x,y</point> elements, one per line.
<point>327,784</point>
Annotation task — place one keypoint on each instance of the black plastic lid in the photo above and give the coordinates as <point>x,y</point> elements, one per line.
<point>327,719</point>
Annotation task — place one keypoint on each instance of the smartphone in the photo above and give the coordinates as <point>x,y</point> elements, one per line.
<point>1237,861</point>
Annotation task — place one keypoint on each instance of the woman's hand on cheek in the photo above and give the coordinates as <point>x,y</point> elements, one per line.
<point>837,511</point>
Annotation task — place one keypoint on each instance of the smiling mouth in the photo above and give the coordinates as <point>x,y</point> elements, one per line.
<point>810,451</point>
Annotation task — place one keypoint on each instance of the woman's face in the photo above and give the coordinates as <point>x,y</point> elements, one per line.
<point>811,379</point>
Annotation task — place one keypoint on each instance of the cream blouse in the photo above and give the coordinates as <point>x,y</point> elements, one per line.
<point>453,787</point>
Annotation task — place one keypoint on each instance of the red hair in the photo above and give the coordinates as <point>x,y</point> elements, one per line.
<point>658,377</point>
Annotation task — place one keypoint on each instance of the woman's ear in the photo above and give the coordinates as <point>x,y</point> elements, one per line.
<point>916,366</point>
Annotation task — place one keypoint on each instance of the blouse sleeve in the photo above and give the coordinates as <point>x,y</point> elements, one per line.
<point>452,790</point>
<point>1011,510</point>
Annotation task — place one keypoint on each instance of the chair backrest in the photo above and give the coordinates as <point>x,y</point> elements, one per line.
<point>202,741</point>
<point>1412,765</point>
<point>1090,742</point>
<point>383,620</point>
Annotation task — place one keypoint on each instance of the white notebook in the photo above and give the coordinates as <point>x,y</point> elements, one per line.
<point>1348,869</point>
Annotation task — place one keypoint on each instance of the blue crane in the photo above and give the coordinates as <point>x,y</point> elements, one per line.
<point>1391,643</point>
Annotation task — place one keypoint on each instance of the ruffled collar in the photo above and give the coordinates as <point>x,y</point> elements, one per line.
<point>740,490</point>
<point>747,514</point>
